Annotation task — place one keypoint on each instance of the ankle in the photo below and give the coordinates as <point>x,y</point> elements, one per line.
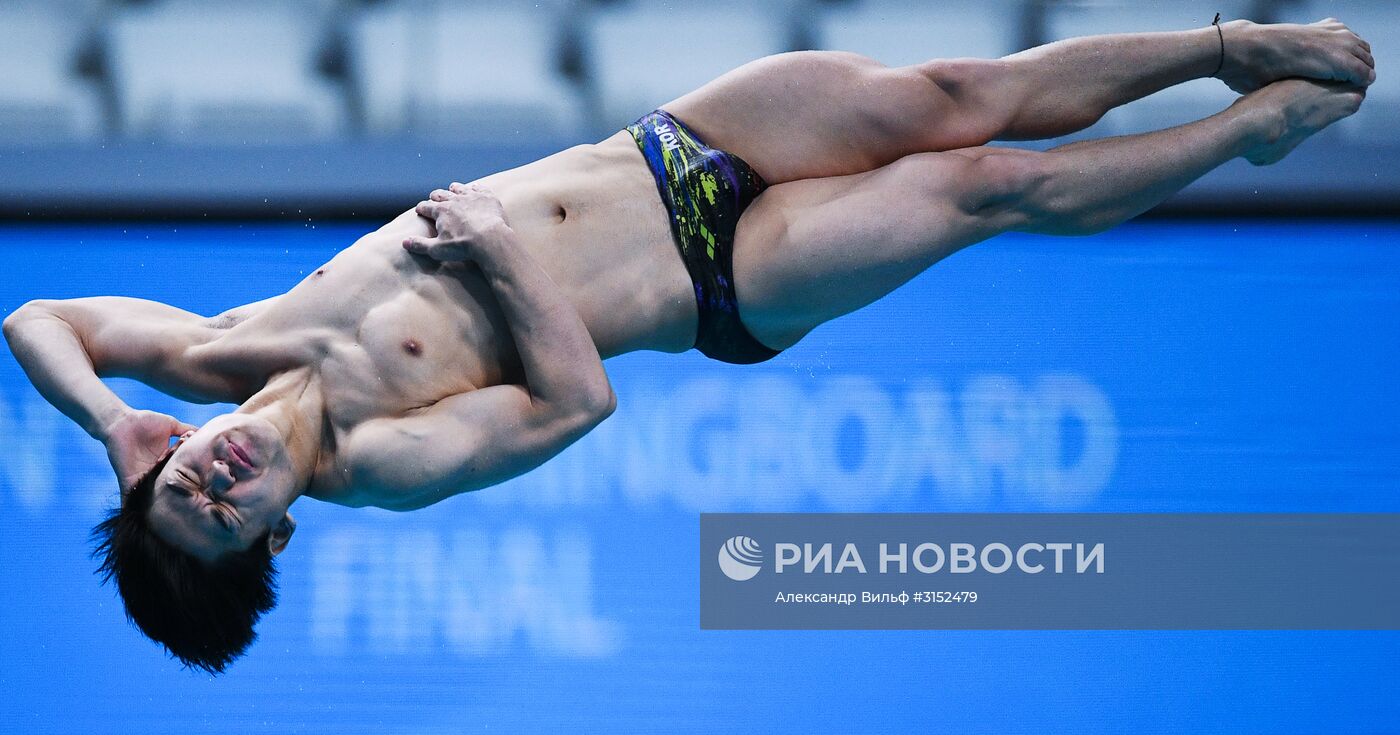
<point>1260,124</point>
<point>1237,49</point>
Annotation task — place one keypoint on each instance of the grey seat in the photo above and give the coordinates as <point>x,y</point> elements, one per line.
<point>42,99</point>
<point>199,71</point>
<point>647,54</point>
<point>470,71</point>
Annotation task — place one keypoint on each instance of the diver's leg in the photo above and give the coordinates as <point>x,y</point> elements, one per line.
<point>812,114</point>
<point>809,251</point>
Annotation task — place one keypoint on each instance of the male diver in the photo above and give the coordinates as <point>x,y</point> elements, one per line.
<point>462,343</point>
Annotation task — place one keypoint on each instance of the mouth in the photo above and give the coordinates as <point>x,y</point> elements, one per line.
<point>241,455</point>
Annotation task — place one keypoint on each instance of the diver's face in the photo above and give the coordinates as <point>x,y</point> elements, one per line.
<point>226,484</point>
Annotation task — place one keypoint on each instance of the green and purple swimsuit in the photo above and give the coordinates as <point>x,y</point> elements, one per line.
<point>704,190</point>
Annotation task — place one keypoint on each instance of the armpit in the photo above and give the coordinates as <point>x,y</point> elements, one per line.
<point>238,314</point>
<point>225,320</point>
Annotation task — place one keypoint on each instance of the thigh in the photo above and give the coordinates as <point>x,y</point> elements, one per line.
<point>808,251</point>
<point>809,114</point>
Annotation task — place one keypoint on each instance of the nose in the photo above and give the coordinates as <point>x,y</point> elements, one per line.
<point>223,477</point>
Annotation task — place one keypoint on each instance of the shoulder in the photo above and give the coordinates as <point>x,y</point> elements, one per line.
<point>404,461</point>
<point>354,456</point>
<point>353,480</point>
<point>331,479</point>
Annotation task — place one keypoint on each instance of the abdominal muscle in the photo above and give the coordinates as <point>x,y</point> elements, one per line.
<point>590,216</point>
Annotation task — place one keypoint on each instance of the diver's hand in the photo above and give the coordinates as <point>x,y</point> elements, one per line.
<point>468,218</point>
<point>136,439</point>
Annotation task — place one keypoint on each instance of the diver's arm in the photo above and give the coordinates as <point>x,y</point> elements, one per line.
<point>66,345</point>
<point>461,443</point>
<point>563,370</point>
<point>54,357</point>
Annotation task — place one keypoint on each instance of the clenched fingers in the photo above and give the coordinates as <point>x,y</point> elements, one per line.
<point>419,245</point>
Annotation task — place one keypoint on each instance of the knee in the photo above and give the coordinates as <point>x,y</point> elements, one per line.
<point>1002,181</point>
<point>975,89</point>
<point>961,77</point>
<point>995,187</point>
<point>1007,99</point>
<point>1026,191</point>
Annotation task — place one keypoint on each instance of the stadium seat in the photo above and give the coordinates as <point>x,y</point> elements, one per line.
<point>470,71</point>
<point>42,99</point>
<point>201,71</point>
<point>645,54</point>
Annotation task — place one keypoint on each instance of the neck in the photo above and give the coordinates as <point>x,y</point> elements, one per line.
<point>292,402</point>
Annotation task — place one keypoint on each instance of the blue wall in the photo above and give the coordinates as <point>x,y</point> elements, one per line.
<point>1161,367</point>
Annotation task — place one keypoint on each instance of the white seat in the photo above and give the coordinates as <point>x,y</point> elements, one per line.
<point>467,71</point>
<point>1172,106</point>
<point>899,33</point>
<point>647,54</point>
<point>231,72</point>
<point>42,99</point>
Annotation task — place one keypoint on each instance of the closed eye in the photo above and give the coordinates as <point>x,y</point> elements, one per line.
<point>225,519</point>
<point>180,488</point>
<point>189,480</point>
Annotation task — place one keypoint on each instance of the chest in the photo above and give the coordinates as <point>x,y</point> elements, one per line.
<point>405,353</point>
<point>385,334</point>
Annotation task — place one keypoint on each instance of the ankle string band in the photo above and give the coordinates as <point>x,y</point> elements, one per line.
<point>1221,64</point>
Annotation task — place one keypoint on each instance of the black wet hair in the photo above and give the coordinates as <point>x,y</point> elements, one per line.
<point>203,614</point>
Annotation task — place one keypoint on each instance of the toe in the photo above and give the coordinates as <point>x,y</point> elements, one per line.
<point>1359,73</point>
<point>1364,55</point>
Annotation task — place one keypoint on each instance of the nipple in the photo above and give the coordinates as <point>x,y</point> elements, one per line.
<point>412,347</point>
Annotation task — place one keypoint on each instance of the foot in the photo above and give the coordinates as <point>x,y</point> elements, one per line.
<point>1256,55</point>
<point>1293,109</point>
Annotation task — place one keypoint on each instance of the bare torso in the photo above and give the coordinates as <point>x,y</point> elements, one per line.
<point>389,332</point>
